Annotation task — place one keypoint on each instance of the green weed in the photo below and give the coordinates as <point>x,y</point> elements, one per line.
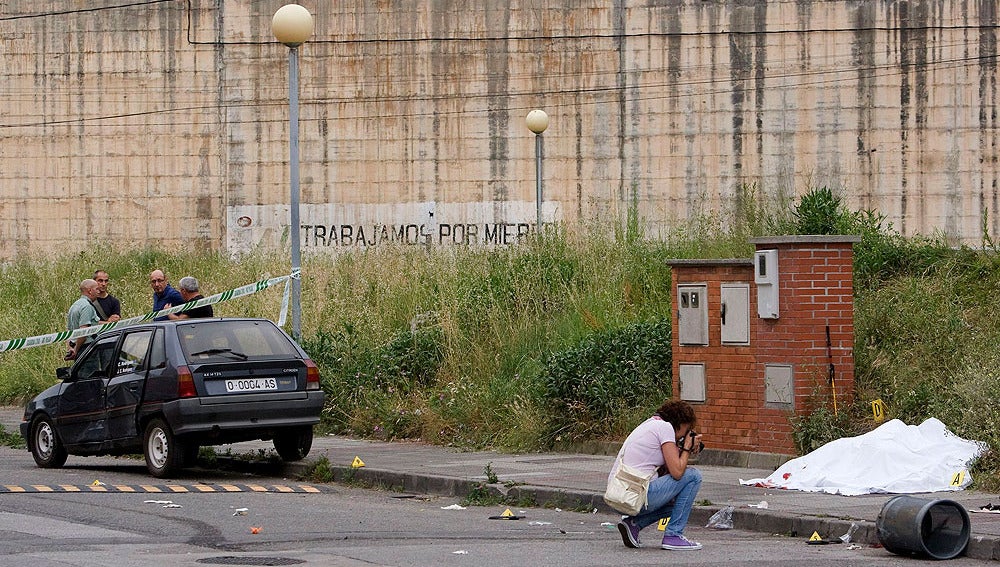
<point>481,495</point>
<point>319,471</point>
<point>491,475</point>
<point>12,440</point>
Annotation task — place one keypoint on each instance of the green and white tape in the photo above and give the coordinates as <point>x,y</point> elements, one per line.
<point>249,289</point>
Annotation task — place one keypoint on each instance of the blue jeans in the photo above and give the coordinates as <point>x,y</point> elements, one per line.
<point>673,498</point>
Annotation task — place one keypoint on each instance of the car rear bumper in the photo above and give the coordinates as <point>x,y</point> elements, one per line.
<point>241,415</point>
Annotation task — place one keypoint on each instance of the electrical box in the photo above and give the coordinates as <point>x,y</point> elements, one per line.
<point>692,314</point>
<point>778,385</point>
<point>734,313</point>
<point>692,377</point>
<point>766,277</point>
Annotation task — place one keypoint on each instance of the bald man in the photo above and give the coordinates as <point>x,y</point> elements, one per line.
<point>163,294</point>
<point>82,314</point>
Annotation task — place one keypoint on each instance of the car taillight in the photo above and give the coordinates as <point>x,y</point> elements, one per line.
<point>185,383</point>
<point>312,375</point>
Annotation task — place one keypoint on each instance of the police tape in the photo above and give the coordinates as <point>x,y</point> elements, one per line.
<point>249,289</point>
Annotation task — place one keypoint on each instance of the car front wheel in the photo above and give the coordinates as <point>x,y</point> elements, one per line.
<point>46,448</point>
<point>164,453</point>
<point>294,444</point>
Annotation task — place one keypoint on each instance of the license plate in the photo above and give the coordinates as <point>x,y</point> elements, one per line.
<point>251,385</point>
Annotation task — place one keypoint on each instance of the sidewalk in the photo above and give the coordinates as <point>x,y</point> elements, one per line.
<point>576,481</point>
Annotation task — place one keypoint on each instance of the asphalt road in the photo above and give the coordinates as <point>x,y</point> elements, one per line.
<point>334,525</point>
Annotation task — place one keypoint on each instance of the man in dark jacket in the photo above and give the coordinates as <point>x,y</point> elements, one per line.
<point>163,295</point>
<point>188,287</point>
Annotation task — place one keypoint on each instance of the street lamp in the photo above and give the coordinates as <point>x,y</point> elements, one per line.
<point>292,25</point>
<point>537,121</point>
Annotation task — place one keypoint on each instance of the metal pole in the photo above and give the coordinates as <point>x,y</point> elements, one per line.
<point>538,182</point>
<point>293,165</point>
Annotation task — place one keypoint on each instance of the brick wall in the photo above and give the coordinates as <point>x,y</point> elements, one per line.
<point>815,287</point>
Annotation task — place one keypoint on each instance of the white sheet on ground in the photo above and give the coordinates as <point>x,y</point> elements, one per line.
<point>895,458</point>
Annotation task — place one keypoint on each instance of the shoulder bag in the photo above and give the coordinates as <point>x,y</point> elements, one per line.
<point>627,488</point>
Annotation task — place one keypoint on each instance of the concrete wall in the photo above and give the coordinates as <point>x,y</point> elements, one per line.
<point>166,123</point>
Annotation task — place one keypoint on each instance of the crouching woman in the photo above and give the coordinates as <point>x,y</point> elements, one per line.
<point>664,443</point>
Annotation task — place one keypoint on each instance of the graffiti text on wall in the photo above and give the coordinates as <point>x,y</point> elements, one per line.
<point>362,235</point>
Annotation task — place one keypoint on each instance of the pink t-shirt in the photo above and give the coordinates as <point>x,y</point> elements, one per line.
<point>641,448</point>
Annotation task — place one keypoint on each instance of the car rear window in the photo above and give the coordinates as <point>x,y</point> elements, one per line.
<point>227,341</point>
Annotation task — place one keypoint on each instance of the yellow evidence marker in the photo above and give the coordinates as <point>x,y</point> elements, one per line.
<point>507,515</point>
<point>662,524</point>
<point>878,411</point>
<point>958,479</point>
<point>357,463</point>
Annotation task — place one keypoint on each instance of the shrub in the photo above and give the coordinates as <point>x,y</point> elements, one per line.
<point>369,387</point>
<point>606,375</point>
<point>821,212</point>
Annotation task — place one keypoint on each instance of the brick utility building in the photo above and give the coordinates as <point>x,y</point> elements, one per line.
<point>165,122</point>
<point>758,341</point>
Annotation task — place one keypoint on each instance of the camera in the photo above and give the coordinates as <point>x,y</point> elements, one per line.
<point>701,446</point>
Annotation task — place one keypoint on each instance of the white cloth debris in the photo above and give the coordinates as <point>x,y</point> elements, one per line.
<point>895,458</point>
<point>453,507</point>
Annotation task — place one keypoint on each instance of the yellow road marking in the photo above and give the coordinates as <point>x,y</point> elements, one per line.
<point>167,488</point>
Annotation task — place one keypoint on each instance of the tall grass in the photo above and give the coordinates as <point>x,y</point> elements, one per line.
<point>494,315</point>
<point>475,347</point>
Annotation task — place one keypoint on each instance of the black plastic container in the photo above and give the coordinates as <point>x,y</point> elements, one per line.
<point>933,528</point>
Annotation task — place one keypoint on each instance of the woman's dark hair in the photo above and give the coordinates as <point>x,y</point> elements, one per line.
<point>677,412</point>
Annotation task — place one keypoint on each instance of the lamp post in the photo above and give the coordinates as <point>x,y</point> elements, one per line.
<point>292,25</point>
<point>537,121</point>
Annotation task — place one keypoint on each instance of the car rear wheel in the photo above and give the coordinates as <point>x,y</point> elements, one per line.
<point>46,448</point>
<point>164,452</point>
<point>294,444</point>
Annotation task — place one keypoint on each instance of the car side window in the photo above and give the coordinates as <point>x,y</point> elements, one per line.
<point>132,355</point>
<point>97,359</point>
<point>157,354</point>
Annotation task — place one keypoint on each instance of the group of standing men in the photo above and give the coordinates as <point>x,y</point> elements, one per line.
<point>97,306</point>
